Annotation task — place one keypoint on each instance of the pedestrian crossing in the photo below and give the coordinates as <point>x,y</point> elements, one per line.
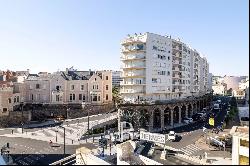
<point>190,149</point>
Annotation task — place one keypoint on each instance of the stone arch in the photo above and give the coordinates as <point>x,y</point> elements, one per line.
<point>167,116</point>
<point>190,110</point>
<point>194,107</point>
<point>157,118</point>
<point>144,118</point>
<point>183,111</point>
<point>176,114</point>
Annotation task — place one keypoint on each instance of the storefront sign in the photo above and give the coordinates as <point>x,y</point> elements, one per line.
<point>153,137</point>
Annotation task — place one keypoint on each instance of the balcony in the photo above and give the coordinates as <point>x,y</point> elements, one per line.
<point>175,90</point>
<point>126,51</point>
<point>131,91</point>
<point>133,83</point>
<point>175,83</point>
<point>133,75</point>
<point>175,62</point>
<point>176,76</point>
<point>176,69</point>
<point>131,41</point>
<point>141,66</point>
<point>130,58</point>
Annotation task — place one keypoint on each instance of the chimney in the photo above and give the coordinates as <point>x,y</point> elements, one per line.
<point>89,71</point>
<point>67,71</point>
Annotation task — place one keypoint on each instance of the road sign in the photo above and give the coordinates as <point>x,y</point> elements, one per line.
<point>154,137</point>
<point>211,121</point>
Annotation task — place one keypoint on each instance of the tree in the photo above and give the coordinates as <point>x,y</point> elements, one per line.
<point>233,102</point>
<point>116,95</point>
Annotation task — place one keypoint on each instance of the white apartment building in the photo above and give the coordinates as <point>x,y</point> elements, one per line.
<point>70,86</point>
<point>240,145</point>
<point>156,67</point>
<point>116,78</point>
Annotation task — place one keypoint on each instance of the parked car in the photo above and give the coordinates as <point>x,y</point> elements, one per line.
<point>187,120</point>
<point>116,137</point>
<point>171,135</point>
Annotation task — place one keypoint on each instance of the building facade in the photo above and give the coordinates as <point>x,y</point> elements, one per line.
<point>8,98</point>
<point>240,145</point>
<point>70,86</point>
<point>116,78</point>
<point>156,67</point>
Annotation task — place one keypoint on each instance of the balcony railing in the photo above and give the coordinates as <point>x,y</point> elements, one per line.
<point>132,50</point>
<point>176,76</point>
<point>133,67</point>
<point>132,83</point>
<point>133,75</point>
<point>132,91</point>
<point>175,90</point>
<point>125,58</point>
<point>130,41</point>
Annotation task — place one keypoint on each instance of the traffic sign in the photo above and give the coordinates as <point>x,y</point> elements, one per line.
<point>211,121</point>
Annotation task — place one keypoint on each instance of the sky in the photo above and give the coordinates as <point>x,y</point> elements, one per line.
<point>51,35</point>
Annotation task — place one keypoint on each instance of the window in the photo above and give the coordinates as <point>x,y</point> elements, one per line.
<point>72,87</point>
<point>57,98</point>
<point>32,97</point>
<point>107,96</point>
<point>17,99</point>
<point>168,57</point>
<point>244,143</point>
<point>58,87</point>
<point>80,96</point>
<point>107,78</point>
<point>95,79</point>
<point>83,97</point>
<point>99,98</point>
<point>95,98</point>
<point>107,87</point>
<point>82,87</point>
<point>154,80</point>
<point>5,110</point>
<point>37,86</point>
<point>93,87</point>
<point>96,86</point>
<point>14,99</point>
<point>72,97</point>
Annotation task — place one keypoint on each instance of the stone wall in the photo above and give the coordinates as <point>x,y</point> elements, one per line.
<point>15,118</point>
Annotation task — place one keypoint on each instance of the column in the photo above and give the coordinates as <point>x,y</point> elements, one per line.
<point>179,114</point>
<point>186,112</point>
<point>162,120</point>
<point>172,117</point>
<point>192,111</point>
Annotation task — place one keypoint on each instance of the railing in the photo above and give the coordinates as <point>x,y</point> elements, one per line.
<point>71,159</point>
<point>133,57</point>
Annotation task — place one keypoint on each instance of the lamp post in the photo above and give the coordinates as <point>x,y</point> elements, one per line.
<point>83,106</point>
<point>63,139</point>
<point>22,114</point>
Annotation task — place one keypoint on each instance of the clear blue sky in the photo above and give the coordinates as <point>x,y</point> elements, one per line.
<point>47,35</point>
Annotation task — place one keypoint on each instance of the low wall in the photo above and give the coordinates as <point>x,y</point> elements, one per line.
<point>15,118</point>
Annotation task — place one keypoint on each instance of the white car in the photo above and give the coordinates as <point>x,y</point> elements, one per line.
<point>116,137</point>
<point>171,135</point>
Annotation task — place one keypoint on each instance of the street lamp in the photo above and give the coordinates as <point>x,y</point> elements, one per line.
<point>21,104</point>
<point>83,106</point>
<point>63,139</point>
